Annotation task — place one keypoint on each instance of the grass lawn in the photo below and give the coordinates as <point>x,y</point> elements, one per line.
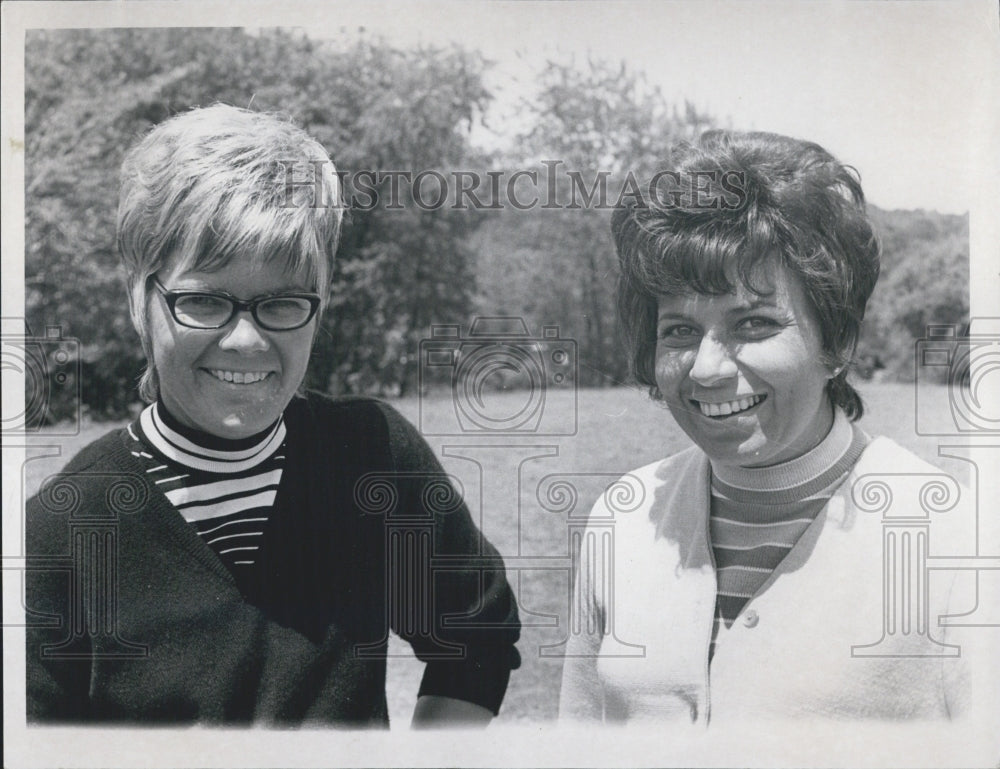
<point>618,430</point>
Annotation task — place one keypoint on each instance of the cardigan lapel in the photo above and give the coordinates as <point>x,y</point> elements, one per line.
<point>680,509</point>
<point>161,513</point>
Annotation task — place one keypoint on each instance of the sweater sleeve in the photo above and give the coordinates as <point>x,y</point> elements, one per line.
<point>466,634</point>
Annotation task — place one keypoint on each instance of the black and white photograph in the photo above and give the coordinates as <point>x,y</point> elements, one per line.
<point>443,383</point>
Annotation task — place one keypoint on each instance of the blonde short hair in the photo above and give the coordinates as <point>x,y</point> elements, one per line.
<point>221,183</point>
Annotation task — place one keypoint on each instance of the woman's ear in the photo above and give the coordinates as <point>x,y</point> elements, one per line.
<point>840,361</point>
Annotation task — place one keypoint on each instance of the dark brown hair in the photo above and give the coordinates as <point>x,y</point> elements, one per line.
<point>759,196</point>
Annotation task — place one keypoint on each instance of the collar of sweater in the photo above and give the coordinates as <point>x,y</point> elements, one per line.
<point>199,451</point>
<point>836,452</point>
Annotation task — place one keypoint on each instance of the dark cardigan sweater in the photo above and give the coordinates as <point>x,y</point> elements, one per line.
<point>133,618</point>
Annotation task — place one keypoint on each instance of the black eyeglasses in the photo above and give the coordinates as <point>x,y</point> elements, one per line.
<point>214,309</point>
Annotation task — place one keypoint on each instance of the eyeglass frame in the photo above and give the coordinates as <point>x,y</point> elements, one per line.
<point>172,296</point>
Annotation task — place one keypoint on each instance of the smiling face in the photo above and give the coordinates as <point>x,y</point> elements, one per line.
<point>234,381</point>
<point>742,374</point>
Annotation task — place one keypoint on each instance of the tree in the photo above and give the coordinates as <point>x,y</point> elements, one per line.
<point>599,128</point>
<point>90,93</point>
<point>924,281</point>
<point>401,269</point>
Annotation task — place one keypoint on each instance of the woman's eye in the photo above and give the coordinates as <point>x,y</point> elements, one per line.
<point>758,326</point>
<point>678,334</point>
<point>201,300</point>
<point>202,303</point>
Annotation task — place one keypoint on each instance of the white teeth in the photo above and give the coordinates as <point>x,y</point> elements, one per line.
<point>239,377</point>
<point>730,407</point>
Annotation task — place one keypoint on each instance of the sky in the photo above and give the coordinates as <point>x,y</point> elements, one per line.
<point>902,91</point>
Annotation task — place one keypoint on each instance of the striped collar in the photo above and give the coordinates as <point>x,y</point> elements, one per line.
<point>832,457</point>
<point>153,428</point>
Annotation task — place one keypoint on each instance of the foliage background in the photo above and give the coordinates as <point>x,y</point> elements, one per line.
<point>90,93</point>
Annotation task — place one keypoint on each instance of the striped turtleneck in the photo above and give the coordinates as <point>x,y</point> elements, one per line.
<point>758,514</point>
<point>224,488</point>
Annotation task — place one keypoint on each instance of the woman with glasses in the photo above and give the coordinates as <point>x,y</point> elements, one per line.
<point>255,544</point>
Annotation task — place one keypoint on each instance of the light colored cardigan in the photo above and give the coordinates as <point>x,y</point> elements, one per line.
<point>792,651</point>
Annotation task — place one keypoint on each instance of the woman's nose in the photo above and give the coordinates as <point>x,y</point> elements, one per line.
<point>244,337</point>
<point>713,362</point>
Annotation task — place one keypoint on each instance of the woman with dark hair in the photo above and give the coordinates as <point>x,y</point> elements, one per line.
<point>240,552</point>
<point>750,582</point>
